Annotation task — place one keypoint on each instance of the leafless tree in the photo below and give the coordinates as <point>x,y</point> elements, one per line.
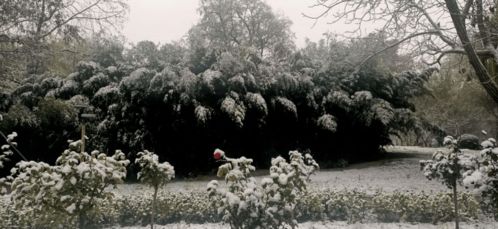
<point>430,28</point>
<point>27,25</point>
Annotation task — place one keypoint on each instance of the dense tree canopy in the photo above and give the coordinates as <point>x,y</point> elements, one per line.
<point>253,109</point>
<point>236,82</point>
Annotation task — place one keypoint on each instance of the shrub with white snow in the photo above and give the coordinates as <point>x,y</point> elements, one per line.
<point>58,195</point>
<point>154,174</point>
<point>482,179</point>
<point>448,167</point>
<point>270,204</point>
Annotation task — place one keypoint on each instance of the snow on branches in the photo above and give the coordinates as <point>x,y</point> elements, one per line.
<point>271,204</point>
<point>152,172</point>
<point>68,190</point>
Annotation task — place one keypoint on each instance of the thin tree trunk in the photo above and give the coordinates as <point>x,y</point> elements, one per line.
<point>153,211</point>
<point>455,202</point>
<point>481,72</point>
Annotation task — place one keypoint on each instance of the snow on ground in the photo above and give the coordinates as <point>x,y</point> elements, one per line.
<point>400,170</point>
<point>333,225</point>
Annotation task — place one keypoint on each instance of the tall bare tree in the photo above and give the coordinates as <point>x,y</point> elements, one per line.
<point>234,24</point>
<point>432,28</point>
<point>28,26</point>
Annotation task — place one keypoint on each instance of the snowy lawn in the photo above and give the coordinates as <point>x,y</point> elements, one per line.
<point>399,171</point>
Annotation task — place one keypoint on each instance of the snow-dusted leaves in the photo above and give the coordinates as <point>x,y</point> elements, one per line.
<point>255,101</point>
<point>447,166</point>
<point>106,96</point>
<point>95,82</point>
<point>382,111</point>
<point>151,171</point>
<point>137,83</point>
<point>271,204</point>
<point>482,178</point>
<point>68,189</point>
<point>234,108</point>
<point>339,99</point>
<point>203,114</point>
<point>285,105</point>
<point>327,122</point>
<point>6,149</point>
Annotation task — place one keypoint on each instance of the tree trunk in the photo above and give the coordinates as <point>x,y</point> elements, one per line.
<point>481,72</point>
<point>455,202</point>
<point>153,211</point>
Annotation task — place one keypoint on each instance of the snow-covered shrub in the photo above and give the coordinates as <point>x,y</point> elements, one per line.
<point>448,167</point>
<point>489,143</point>
<point>271,204</point>
<point>95,82</point>
<point>468,141</point>
<point>154,174</point>
<point>68,192</point>
<point>482,179</point>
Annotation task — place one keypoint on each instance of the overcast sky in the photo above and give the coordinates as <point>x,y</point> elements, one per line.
<point>163,21</point>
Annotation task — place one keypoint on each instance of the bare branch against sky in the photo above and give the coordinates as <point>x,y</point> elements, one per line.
<point>163,21</point>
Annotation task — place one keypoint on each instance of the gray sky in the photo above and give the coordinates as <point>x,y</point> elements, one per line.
<point>163,21</point>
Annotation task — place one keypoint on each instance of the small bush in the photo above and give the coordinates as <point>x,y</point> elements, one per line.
<point>468,141</point>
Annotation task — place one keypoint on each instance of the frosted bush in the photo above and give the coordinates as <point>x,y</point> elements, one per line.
<point>106,95</point>
<point>69,190</point>
<point>154,174</point>
<point>448,167</point>
<point>270,204</point>
<point>482,179</point>
<point>490,143</point>
<point>95,82</point>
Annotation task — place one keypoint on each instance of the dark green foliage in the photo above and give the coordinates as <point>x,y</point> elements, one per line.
<point>247,108</point>
<point>469,141</point>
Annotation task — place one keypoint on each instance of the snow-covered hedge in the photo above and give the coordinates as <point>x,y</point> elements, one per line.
<point>342,205</point>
